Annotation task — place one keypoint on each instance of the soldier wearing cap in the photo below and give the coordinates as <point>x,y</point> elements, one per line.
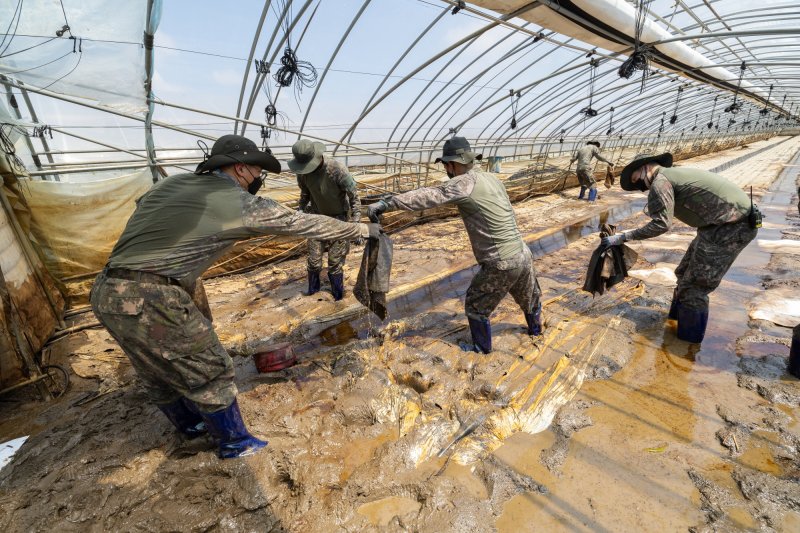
<point>584,170</point>
<point>719,210</point>
<point>506,262</point>
<point>326,188</point>
<point>143,296</point>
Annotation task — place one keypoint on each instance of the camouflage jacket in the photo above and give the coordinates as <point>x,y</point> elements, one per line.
<point>187,221</point>
<point>695,197</point>
<point>485,208</point>
<point>330,190</point>
<point>585,154</point>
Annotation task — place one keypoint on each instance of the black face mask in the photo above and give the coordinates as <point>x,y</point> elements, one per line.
<point>254,187</point>
<point>641,185</point>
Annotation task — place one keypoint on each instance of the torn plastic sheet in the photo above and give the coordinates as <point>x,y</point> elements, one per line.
<point>100,56</point>
<point>783,246</point>
<point>780,306</point>
<point>9,448</point>
<point>662,274</point>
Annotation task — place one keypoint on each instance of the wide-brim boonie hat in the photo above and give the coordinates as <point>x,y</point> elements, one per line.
<point>231,149</point>
<point>307,156</point>
<point>665,160</point>
<point>594,143</point>
<point>457,149</point>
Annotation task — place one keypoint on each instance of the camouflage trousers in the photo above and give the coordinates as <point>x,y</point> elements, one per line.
<point>491,284</point>
<point>337,253</point>
<point>710,255</point>
<point>170,344</point>
<point>586,177</point>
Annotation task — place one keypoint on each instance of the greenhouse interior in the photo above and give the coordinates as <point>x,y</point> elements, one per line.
<point>411,265</point>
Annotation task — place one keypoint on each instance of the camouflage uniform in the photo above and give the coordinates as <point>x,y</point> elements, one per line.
<point>506,262</point>
<point>329,190</point>
<point>717,208</point>
<point>585,170</point>
<point>180,227</point>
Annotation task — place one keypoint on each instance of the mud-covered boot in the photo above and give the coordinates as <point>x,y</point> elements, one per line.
<point>481,332</point>
<point>185,417</point>
<point>534,321</point>
<point>592,194</point>
<point>794,353</point>
<point>673,307</point>
<point>337,285</point>
<point>692,323</point>
<point>582,193</point>
<point>228,429</point>
<point>313,283</point>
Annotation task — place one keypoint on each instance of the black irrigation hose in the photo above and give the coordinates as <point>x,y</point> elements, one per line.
<point>293,71</point>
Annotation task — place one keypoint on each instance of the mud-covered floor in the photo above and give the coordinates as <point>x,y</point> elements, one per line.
<point>606,423</point>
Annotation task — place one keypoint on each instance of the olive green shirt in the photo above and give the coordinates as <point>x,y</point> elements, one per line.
<point>330,190</point>
<point>187,221</point>
<point>696,197</point>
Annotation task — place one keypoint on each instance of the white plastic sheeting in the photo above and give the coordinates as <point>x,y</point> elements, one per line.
<point>662,274</point>
<point>9,448</point>
<point>77,224</point>
<point>112,73</point>
<point>780,306</point>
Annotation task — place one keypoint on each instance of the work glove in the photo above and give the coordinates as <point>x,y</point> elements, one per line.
<point>375,210</point>
<point>613,240</point>
<point>375,230</point>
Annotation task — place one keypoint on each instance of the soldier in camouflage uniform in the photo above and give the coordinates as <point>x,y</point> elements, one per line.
<point>506,262</point>
<point>143,296</point>
<point>326,188</point>
<point>585,168</point>
<point>719,210</point>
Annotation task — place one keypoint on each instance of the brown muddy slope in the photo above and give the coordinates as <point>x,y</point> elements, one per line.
<point>607,422</point>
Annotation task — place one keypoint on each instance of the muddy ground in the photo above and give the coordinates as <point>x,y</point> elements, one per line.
<point>605,423</point>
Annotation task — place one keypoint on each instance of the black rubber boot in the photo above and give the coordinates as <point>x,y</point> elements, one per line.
<point>593,194</point>
<point>481,332</point>
<point>534,321</point>
<point>313,283</point>
<point>582,193</point>
<point>185,417</point>
<point>337,285</point>
<point>228,429</point>
<point>692,324</point>
<point>673,307</point>
<point>794,353</point>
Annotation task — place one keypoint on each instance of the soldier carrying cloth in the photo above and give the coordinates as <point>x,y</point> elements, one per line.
<point>719,210</point>
<point>506,262</point>
<point>584,169</point>
<point>326,188</point>
<point>143,296</point>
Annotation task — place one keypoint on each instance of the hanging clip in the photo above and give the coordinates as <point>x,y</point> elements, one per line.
<point>461,4</point>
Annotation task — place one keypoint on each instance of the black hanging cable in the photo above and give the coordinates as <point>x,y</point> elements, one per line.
<point>736,105</point>
<point>640,57</point>
<point>79,51</point>
<point>16,16</point>
<point>711,122</point>
<point>674,118</point>
<point>293,71</point>
<point>514,104</point>
<point>695,123</point>
<point>610,122</point>
<point>766,105</point>
<point>593,64</point>
<point>8,147</point>
<point>661,127</point>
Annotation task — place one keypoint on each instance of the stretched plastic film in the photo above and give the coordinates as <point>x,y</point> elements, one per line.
<point>77,224</point>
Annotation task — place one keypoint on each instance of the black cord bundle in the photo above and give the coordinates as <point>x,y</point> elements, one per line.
<point>8,147</point>
<point>271,114</point>
<point>610,122</point>
<point>766,106</point>
<point>674,118</point>
<point>593,64</point>
<point>514,104</point>
<point>262,66</point>
<point>41,131</point>
<point>461,4</point>
<point>711,122</point>
<point>292,70</point>
<point>661,128</point>
<point>695,123</point>
<point>640,57</point>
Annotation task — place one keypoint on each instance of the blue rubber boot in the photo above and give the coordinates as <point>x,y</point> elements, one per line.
<point>313,283</point>
<point>481,332</point>
<point>692,324</point>
<point>582,193</point>
<point>227,428</point>
<point>337,285</point>
<point>794,353</point>
<point>673,307</point>
<point>185,417</point>
<point>534,321</point>
<point>592,194</point>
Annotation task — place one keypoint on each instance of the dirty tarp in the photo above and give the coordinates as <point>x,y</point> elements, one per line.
<point>608,265</point>
<point>372,283</point>
<point>77,224</point>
